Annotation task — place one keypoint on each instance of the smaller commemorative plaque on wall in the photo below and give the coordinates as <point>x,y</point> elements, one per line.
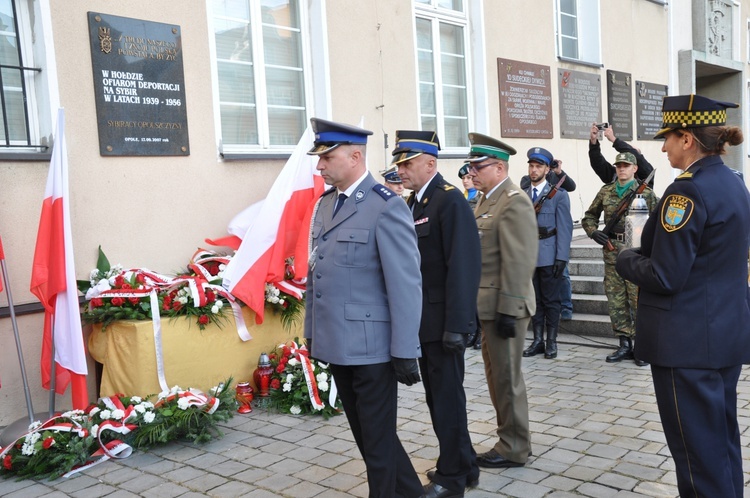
<point>139,86</point>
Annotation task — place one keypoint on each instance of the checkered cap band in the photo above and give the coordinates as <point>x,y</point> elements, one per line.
<point>691,119</point>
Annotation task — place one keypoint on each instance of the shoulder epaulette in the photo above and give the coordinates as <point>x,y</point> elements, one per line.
<point>384,191</point>
<point>447,187</point>
<point>511,193</point>
<point>687,175</point>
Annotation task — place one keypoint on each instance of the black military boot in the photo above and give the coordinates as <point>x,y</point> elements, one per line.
<point>551,350</point>
<point>636,360</point>
<point>624,352</point>
<point>537,345</point>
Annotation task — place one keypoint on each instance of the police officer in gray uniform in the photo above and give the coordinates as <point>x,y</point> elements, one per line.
<point>364,301</point>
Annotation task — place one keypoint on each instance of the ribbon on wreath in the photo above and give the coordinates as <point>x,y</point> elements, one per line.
<point>192,397</point>
<point>301,354</point>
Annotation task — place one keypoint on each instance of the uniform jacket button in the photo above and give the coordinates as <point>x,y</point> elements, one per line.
<point>318,294</point>
<point>318,275</point>
<point>367,315</point>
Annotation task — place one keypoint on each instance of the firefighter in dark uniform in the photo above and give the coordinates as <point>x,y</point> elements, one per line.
<point>694,303</point>
<point>451,265</point>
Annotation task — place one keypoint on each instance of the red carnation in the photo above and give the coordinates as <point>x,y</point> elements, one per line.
<point>119,280</point>
<point>203,320</point>
<point>280,368</point>
<point>210,296</point>
<point>117,301</point>
<point>287,351</point>
<point>176,305</point>
<point>7,463</point>
<point>96,302</point>
<point>212,267</point>
<point>47,444</point>
<point>133,300</point>
<point>284,360</point>
<point>140,279</point>
<point>275,384</point>
<point>127,286</point>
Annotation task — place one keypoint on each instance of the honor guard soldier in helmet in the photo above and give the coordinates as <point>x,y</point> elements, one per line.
<point>364,302</point>
<point>451,265</point>
<point>694,304</point>
<point>555,224</point>
<point>509,241</point>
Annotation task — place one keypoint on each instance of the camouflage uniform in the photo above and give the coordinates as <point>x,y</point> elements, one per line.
<point>622,295</point>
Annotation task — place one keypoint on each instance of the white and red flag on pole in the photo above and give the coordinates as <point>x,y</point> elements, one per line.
<point>277,228</point>
<point>53,281</point>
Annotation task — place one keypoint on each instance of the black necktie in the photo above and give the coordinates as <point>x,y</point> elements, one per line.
<point>534,195</point>
<point>339,203</point>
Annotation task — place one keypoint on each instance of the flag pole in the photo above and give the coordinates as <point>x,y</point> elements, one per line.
<point>19,350</point>
<point>53,367</point>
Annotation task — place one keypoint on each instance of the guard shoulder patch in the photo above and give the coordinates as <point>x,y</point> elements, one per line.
<point>687,175</point>
<point>448,187</point>
<point>384,191</point>
<point>676,212</point>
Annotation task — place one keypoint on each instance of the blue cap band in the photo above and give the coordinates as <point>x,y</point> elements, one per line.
<point>426,147</point>
<point>341,137</point>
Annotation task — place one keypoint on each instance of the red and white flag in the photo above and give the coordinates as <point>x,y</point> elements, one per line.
<point>53,281</point>
<point>277,228</point>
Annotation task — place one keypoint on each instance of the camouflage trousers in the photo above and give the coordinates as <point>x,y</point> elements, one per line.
<point>622,299</point>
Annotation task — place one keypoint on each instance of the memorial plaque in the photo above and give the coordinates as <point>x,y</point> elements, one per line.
<point>648,101</point>
<point>525,99</point>
<point>139,86</point>
<point>620,104</point>
<point>580,102</point>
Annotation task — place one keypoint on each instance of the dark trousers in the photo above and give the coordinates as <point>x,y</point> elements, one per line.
<point>443,378</point>
<point>547,291</point>
<point>369,395</point>
<point>698,409</point>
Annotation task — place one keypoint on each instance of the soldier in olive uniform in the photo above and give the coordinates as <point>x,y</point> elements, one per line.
<point>622,295</point>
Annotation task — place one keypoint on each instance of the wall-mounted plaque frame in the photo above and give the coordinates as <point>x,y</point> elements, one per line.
<point>620,104</point>
<point>139,87</point>
<point>648,103</point>
<point>525,99</point>
<point>580,96</point>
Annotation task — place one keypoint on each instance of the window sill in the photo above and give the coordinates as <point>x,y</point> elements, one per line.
<point>578,61</point>
<point>6,155</point>
<point>250,156</point>
<point>658,2</point>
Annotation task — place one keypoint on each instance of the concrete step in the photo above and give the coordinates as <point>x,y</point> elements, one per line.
<point>587,324</point>
<point>595,304</point>
<point>586,267</point>
<point>587,285</point>
<point>586,251</point>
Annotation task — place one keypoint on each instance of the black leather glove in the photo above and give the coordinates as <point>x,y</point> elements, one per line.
<point>505,325</point>
<point>558,268</point>
<point>600,237</point>
<point>407,370</point>
<point>454,342</point>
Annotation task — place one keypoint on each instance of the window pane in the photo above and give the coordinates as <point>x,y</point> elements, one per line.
<point>451,39</point>
<point>424,34</point>
<point>236,83</point>
<point>570,47</point>
<point>454,101</point>
<point>426,68</point>
<point>285,87</point>
<point>568,26</point>
<point>280,12</point>
<point>286,125</point>
<point>568,6</point>
<point>15,109</point>
<point>453,70</point>
<point>281,47</point>
<point>457,5</point>
<point>238,9</point>
<point>456,132</point>
<point>430,123</point>
<point>239,125</point>
<point>8,35</point>
<point>233,41</point>
<point>427,99</point>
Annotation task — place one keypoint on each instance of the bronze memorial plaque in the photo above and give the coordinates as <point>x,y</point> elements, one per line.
<point>580,96</point>
<point>648,102</point>
<point>525,99</point>
<point>139,86</point>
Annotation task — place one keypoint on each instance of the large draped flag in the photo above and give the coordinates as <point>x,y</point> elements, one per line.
<point>275,229</point>
<point>53,281</point>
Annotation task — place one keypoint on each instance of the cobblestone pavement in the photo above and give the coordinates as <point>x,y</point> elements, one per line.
<point>595,430</point>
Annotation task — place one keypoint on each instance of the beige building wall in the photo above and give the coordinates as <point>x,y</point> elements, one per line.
<point>155,212</point>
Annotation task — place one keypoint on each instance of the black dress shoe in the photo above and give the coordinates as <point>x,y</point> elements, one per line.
<point>494,460</point>
<point>470,483</point>
<point>434,490</point>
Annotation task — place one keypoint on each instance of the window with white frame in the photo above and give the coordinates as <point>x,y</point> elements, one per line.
<point>23,85</point>
<point>442,34</point>
<point>261,73</point>
<point>578,30</point>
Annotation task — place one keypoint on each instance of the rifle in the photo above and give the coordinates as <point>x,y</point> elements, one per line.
<point>549,195</point>
<point>624,206</point>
